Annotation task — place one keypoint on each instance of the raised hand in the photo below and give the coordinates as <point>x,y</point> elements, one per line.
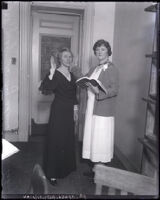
<point>53,67</point>
<point>53,63</point>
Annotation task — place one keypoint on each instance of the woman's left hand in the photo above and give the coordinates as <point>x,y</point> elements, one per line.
<point>94,89</point>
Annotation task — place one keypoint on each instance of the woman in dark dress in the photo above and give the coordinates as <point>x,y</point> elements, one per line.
<point>59,155</point>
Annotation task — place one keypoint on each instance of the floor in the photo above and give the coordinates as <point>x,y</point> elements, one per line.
<point>18,168</point>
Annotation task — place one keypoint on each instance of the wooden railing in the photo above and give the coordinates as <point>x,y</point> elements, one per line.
<point>123,182</point>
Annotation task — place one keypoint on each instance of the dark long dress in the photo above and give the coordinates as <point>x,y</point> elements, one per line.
<point>59,155</point>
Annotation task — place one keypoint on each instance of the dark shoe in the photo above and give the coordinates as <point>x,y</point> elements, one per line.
<point>53,182</point>
<point>89,174</point>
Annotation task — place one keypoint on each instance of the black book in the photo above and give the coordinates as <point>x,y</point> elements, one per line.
<point>81,82</point>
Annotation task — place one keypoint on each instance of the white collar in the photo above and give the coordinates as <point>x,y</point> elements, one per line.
<point>67,77</point>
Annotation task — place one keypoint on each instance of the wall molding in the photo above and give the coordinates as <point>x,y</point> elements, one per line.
<point>89,13</point>
<point>62,4</point>
<point>11,136</point>
<point>24,71</point>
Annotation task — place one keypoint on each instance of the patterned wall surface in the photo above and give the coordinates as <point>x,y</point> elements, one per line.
<point>50,46</point>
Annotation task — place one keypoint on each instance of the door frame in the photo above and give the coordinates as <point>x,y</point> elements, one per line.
<point>86,11</point>
<point>45,24</point>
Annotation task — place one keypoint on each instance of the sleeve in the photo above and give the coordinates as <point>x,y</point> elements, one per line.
<point>76,100</point>
<point>48,86</point>
<point>112,86</point>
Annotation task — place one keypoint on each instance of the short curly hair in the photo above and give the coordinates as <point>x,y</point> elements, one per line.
<point>102,42</point>
<point>59,55</point>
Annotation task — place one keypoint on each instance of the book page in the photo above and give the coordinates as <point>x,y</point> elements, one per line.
<point>82,78</point>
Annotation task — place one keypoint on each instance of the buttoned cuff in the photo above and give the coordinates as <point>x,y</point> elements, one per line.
<point>75,107</point>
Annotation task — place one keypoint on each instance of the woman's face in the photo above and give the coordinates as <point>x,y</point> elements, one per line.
<point>101,53</point>
<point>66,58</point>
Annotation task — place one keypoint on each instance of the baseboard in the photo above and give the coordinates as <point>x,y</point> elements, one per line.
<point>124,160</point>
<point>11,135</point>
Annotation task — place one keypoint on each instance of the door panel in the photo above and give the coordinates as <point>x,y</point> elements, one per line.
<point>50,32</point>
<point>49,46</point>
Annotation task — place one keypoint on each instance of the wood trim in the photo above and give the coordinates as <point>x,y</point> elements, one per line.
<point>12,137</point>
<point>71,5</point>
<point>127,181</point>
<point>24,71</point>
<point>89,13</point>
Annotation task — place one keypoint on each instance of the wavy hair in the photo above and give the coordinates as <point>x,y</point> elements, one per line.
<point>102,42</point>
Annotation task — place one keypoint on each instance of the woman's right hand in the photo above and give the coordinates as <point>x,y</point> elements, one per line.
<point>53,67</point>
<point>53,64</point>
<point>92,88</point>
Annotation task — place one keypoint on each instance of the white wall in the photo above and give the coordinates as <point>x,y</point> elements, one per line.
<point>133,38</point>
<point>10,48</point>
<point>103,25</point>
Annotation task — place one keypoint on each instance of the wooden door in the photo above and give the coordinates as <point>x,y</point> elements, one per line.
<point>50,32</point>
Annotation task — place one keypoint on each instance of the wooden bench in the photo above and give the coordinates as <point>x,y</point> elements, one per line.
<point>124,181</point>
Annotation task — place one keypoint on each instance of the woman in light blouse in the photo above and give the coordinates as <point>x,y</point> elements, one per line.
<point>98,137</point>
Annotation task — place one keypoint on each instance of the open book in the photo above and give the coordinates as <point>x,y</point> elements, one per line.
<point>81,82</point>
<point>8,149</point>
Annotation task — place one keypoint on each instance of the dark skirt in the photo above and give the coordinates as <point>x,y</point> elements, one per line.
<point>59,155</point>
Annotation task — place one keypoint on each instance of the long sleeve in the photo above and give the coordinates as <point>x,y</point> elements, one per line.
<point>111,81</point>
<point>48,86</point>
<point>76,100</point>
